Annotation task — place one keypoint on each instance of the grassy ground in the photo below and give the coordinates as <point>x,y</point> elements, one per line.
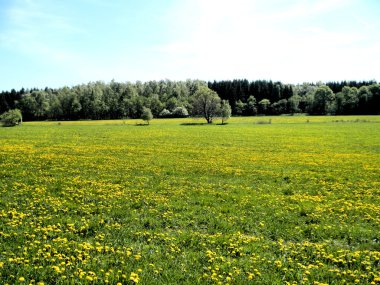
<point>295,201</point>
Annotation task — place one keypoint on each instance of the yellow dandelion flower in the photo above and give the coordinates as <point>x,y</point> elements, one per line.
<point>134,277</point>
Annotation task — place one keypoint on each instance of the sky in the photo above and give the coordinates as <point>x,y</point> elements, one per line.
<point>58,43</point>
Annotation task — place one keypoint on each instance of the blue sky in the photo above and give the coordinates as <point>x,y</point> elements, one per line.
<point>62,43</point>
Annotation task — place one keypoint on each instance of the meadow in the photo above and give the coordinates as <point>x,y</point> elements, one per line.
<point>296,201</point>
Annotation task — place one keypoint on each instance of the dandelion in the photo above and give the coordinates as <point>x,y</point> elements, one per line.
<point>278,263</point>
<point>134,277</point>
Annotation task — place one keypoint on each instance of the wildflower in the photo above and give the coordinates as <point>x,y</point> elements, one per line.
<point>278,263</point>
<point>134,277</point>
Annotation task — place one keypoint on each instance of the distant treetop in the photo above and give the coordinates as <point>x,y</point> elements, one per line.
<point>165,98</point>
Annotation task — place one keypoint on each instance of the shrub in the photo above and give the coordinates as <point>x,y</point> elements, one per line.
<point>225,111</point>
<point>11,118</point>
<point>165,113</point>
<point>147,115</point>
<point>180,112</point>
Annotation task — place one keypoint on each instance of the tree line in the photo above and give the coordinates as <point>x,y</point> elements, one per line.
<point>275,98</point>
<point>165,98</point>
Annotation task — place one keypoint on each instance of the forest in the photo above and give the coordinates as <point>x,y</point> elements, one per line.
<point>166,98</point>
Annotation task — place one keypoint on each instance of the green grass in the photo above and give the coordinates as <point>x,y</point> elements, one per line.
<point>178,202</point>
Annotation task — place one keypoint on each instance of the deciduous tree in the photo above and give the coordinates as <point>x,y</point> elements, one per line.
<point>251,105</point>
<point>225,111</point>
<point>206,103</point>
<point>11,118</point>
<point>264,106</point>
<point>146,115</point>
<point>323,100</point>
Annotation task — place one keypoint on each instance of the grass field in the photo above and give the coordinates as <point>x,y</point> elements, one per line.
<point>296,201</point>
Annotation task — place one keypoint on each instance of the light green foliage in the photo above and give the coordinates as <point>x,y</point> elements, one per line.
<point>225,111</point>
<point>239,107</point>
<point>165,113</point>
<point>280,107</point>
<point>99,202</point>
<point>146,115</point>
<point>171,104</point>
<point>350,99</point>
<point>11,118</point>
<point>264,105</point>
<point>206,103</point>
<point>180,112</point>
<point>155,105</point>
<point>251,105</point>
<point>293,104</point>
<point>323,100</point>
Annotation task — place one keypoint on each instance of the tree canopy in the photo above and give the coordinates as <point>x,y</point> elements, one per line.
<point>225,111</point>
<point>11,118</point>
<point>165,98</point>
<point>206,103</point>
<point>146,115</point>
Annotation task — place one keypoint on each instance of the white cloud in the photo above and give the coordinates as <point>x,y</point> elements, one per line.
<point>232,39</point>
